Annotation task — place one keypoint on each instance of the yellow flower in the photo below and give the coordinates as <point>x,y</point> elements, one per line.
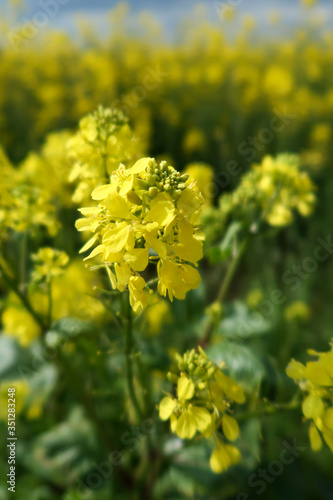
<point>194,141</point>
<point>254,298</point>
<point>22,391</point>
<point>49,263</point>
<point>17,322</point>
<point>204,175</point>
<point>157,315</point>
<point>272,190</point>
<point>297,311</point>
<point>223,457</point>
<point>147,212</point>
<point>316,381</point>
<point>202,405</point>
<point>71,296</point>
<point>308,3</point>
<point>277,81</point>
<point>104,140</point>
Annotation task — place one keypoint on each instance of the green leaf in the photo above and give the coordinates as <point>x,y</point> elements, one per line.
<point>243,364</point>
<point>241,323</point>
<point>65,452</point>
<point>12,357</point>
<point>223,250</point>
<point>66,329</point>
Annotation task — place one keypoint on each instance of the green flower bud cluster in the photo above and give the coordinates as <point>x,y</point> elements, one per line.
<point>197,365</point>
<point>108,121</point>
<point>161,177</point>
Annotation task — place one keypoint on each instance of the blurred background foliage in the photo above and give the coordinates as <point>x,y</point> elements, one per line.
<point>202,99</point>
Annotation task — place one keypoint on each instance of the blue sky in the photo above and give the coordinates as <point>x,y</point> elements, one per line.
<point>170,12</point>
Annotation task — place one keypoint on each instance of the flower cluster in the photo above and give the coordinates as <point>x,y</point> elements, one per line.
<point>48,168</point>
<point>23,206</point>
<point>103,141</point>
<point>272,190</point>
<point>27,401</point>
<point>204,396</point>
<point>148,212</point>
<point>297,312</point>
<point>204,175</point>
<point>316,381</point>
<point>71,296</point>
<point>49,263</point>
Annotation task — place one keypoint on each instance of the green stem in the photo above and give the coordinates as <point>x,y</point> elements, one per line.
<point>269,409</point>
<point>49,312</point>
<point>224,288</point>
<point>129,360</point>
<point>23,259</point>
<point>25,301</point>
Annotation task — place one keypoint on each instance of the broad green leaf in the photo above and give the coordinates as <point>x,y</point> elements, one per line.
<point>241,323</point>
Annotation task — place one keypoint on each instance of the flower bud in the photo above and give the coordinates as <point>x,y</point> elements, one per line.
<point>153,191</point>
<point>176,194</point>
<point>133,198</point>
<point>150,180</point>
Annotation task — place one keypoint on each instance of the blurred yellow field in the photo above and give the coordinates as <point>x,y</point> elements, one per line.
<point>165,250</point>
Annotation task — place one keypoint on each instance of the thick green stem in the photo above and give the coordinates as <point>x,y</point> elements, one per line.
<point>129,360</point>
<point>224,288</point>
<point>25,301</point>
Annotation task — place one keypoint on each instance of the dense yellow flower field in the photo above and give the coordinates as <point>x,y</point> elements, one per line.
<point>165,259</point>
